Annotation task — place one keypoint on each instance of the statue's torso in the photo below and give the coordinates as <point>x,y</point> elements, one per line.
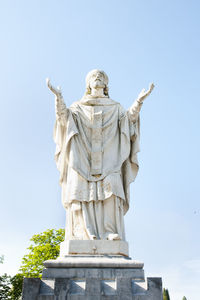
<point>99,138</point>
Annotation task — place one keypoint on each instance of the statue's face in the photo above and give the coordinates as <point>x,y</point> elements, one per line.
<point>97,80</point>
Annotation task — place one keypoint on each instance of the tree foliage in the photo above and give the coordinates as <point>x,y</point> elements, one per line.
<point>16,286</point>
<point>43,246</point>
<point>5,287</point>
<point>166,294</point>
<point>184,298</point>
<point>1,259</point>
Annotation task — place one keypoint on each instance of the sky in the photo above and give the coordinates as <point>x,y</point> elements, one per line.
<point>135,43</point>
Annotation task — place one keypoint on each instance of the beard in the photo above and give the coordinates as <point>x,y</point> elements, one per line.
<point>98,84</point>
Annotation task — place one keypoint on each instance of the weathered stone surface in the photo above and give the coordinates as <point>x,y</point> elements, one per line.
<point>123,279</point>
<point>93,287</point>
<point>92,273</point>
<point>98,289</point>
<point>93,247</point>
<point>62,288</point>
<point>93,261</point>
<point>47,287</point>
<point>154,288</point>
<point>97,142</point>
<point>31,288</point>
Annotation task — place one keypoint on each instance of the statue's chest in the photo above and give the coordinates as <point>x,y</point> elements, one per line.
<point>96,140</point>
<point>97,124</point>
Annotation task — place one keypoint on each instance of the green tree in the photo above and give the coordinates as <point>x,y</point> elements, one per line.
<point>43,246</point>
<point>16,287</point>
<point>1,259</point>
<point>166,294</point>
<point>5,287</point>
<point>184,298</point>
<point>4,283</point>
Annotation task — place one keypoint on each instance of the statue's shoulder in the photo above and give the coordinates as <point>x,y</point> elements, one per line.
<point>86,103</point>
<point>76,107</point>
<point>114,102</point>
<point>75,104</point>
<point>121,109</point>
<point>91,101</point>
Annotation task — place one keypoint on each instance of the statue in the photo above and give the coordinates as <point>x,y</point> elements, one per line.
<point>97,142</point>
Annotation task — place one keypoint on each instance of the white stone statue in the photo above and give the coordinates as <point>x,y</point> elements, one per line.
<point>97,142</point>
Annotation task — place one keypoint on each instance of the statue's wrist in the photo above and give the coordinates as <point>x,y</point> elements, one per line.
<point>139,101</point>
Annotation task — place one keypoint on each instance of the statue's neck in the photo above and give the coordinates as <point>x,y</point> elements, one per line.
<point>97,93</point>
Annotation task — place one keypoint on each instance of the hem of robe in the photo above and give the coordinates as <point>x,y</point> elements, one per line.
<point>88,224</point>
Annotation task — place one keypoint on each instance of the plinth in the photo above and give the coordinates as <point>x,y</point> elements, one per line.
<point>92,276</point>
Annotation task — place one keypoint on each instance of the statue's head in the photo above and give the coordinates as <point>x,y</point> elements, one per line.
<point>96,79</point>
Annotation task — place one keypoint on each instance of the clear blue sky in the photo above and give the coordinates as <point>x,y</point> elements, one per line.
<point>135,42</point>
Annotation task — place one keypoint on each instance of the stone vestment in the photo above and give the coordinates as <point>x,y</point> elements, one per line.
<point>96,153</point>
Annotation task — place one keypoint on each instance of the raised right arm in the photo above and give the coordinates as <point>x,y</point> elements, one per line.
<point>136,106</point>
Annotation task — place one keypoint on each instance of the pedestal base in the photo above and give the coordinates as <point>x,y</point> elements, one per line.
<point>92,277</point>
<point>93,247</point>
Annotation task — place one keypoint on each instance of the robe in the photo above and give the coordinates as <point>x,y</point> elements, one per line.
<point>97,142</point>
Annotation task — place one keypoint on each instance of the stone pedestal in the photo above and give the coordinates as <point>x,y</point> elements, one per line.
<point>92,277</point>
<point>92,247</point>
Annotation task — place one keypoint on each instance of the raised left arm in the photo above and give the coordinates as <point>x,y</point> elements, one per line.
<point>60,106</point>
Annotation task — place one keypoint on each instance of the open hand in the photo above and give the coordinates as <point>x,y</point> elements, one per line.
<point>143,94</point>
<point>56,91</point>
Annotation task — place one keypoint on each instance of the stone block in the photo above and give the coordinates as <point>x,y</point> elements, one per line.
<point>154,288</point>
<point>62,281</point>
<point>77,287</point>
<point>93,261</point>
<point>62,287</point>
<point>93,247</point>
<point>124,286</point>
<point>93,286</point>
<point>31,287</point>
<point>46,297</point>
<point>110,297</point>
<point>139,287</point>
<point>108,287</point>
<point>47,287</point>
